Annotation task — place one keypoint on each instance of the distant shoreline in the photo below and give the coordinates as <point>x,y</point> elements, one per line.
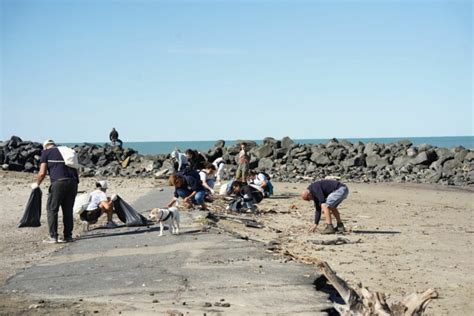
<point>165,147</point>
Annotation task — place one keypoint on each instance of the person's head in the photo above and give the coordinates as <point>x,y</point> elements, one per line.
<point>176,181</point>
<point>190,154</point>
<point>210,168</point>
<point>252,174</point>
<point>306,195</point>
<point>48,144</point>
<point>243,146</point>
<point>237,186</point>
<point>101,185</point>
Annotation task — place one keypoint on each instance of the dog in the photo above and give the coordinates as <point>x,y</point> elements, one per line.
<point>169,216</point>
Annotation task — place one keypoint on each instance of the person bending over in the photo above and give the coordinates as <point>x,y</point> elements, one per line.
<point>327,195</point>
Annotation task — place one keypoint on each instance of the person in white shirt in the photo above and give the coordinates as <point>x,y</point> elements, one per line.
<point>262,180</point>
<point>219,164</point>
<point>99,204</point>
<point>207,177</point>
<point>180,159</point>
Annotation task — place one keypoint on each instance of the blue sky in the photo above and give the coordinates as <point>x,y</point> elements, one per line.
<point>205,70</point>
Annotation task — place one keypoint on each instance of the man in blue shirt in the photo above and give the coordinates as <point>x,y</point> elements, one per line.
<point>62,191</point>
<point>327,195</point>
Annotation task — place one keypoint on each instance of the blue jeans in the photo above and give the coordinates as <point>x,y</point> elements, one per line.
<point>197,199</point>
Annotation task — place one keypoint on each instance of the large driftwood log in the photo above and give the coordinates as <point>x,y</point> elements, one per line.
<point>364,303</point>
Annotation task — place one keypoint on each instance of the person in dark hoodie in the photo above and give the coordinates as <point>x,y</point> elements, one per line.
<point>249,194</point>
<point>188,186</point>
<point>196,160</point>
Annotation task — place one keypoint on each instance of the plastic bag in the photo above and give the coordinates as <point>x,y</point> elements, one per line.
<point>32,215</point>
<point>81,202</point>
<point>127,214</point>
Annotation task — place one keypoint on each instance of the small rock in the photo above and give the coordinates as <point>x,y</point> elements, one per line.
<point>207,304</point>
<point>155,301</point>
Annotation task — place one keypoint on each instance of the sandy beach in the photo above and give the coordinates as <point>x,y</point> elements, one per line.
<point>404,238</point>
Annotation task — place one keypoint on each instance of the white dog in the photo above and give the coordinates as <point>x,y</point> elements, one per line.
<point>170,216</point>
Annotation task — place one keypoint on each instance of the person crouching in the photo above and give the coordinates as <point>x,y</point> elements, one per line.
<point>99,204</point>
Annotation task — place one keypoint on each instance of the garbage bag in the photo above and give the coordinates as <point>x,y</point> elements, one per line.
<point>127,214</point>
<point>32,215</point>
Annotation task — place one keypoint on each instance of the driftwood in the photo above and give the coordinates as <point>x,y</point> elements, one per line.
<point>364,302</point>
<point>338,241</point>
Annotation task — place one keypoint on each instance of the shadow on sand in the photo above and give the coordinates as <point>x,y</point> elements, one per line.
<point>376,232</point>
<point>107,232</point>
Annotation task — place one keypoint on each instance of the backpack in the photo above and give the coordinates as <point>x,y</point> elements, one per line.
<point>69,156</point>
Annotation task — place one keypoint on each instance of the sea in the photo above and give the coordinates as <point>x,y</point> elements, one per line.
<point>165,147</point>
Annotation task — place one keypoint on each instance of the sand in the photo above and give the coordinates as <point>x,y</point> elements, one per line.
<point>406,237</point>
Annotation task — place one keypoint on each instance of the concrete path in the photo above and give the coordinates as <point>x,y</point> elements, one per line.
<point>188,273</point>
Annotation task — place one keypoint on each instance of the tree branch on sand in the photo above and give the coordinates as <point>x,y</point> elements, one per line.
<point>362,302</point>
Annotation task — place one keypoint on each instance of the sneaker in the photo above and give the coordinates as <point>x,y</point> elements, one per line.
<point>111,224</point>
<point>340,228</point>
<point>329,229</point>
<point>50,240</point>
<point>65,240</point>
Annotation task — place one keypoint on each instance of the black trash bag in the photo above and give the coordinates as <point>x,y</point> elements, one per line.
<point>236,205</point>
<point>32,215</point>
<point>127,214</point>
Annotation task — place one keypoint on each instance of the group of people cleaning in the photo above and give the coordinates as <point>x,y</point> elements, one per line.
<point>196,177</point>
<point>194,181</point>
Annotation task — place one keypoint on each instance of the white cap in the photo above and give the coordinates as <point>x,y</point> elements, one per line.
<point>48,142</point>
<point>103,184</point>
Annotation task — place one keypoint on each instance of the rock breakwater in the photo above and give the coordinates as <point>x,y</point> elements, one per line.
<point>283,159</point>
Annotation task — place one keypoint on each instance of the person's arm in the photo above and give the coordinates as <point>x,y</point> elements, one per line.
<point>171,203</point>
<point>180,161</point>
<point>317,217</point>
<point>189,197</point>
<point>42,173</point>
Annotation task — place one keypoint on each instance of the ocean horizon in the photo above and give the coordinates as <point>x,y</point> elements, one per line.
<point>165,147</point>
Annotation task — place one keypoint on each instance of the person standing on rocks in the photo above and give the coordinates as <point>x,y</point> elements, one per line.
<point>243,167</point>
<point>62,191</point>
<point>114,138</point>
<point>327,195</point>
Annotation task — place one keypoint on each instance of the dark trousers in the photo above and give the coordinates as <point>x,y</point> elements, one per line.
<point>62,193</point>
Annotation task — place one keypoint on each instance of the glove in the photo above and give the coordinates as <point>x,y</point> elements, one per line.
<point>34,185</point>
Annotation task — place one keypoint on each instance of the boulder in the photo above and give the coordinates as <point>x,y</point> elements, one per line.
<point>265,164</point>
<point>357,161</point>
<point>371,148</point>
<point>375,160</point>
<point>425,158</point>
<point>320,159</point>
<point>264,151</point>
<point>219,144</point>
<point>287,142</point>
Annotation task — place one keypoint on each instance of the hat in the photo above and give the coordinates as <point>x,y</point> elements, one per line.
<point>103,184</point>
<point>48,142</point>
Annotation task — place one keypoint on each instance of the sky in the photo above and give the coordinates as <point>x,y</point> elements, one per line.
<point>205,70</point>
